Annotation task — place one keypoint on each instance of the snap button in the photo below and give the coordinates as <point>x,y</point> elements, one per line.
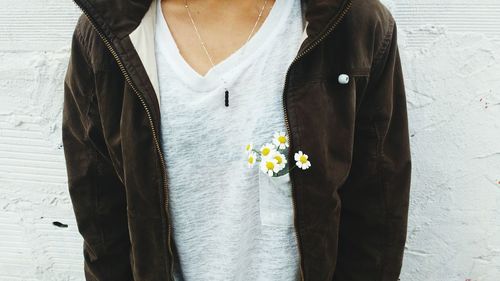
<point>343,79</point>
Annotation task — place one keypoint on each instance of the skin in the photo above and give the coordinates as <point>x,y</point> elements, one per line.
<point>224,26</point>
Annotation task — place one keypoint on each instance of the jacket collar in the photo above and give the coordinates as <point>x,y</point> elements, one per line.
<point>121,17</point>
<point>134,20</point>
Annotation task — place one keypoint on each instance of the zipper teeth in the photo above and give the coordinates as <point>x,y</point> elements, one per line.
<point>153,130</point>
<point>314,44</point>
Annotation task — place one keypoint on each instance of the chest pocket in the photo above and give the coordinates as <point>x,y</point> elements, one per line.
<point>275,200</point>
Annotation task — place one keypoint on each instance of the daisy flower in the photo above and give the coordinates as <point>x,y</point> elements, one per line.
<point>280,159</point>
<point>248,147</point>
<point>280,139</point>
<point>270,166</point>
<point>302,161</point>
<point>267,150</point>
<point>252,158</point>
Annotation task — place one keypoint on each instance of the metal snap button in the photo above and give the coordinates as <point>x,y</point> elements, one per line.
<point>343,79</point>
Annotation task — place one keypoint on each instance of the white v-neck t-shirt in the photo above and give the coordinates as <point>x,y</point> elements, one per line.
<point>228,221</point>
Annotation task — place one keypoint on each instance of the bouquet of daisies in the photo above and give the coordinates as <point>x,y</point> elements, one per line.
<point>272,156</point>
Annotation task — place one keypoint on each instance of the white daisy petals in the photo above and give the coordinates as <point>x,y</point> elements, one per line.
<point>302,160</point>
<point>249,147</point>
<point>267,150</point>
<point>280,140</point>
<point>252,158</point>
<point>280,159</point>
<point>270,166</point>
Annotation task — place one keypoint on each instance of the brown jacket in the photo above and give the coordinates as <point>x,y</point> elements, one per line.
<point>351,206</point>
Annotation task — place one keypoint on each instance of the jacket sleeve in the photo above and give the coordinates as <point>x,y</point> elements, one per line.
<point>97,194</point>
<point>375,197</point>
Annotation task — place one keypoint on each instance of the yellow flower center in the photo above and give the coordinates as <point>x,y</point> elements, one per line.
<point>248,147</point>
<point>269,165</point>
<point>303,159</point>
<point>265,151</point>
<point>278,158</point>
<point>251,159</point>
<point>282,139</point>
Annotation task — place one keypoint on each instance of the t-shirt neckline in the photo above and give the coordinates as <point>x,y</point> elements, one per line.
<point>228,67</point>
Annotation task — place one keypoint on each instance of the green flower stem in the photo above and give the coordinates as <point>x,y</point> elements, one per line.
<point>258,152</point>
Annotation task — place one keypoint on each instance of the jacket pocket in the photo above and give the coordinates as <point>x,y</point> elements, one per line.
<point>275,200</point>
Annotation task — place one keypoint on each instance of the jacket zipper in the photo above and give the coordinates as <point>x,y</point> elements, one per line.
<point>153,130</point>
<point>309,48</point>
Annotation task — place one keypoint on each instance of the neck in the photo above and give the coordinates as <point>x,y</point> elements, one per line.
<point>223,8</point>
<point>224,16</point>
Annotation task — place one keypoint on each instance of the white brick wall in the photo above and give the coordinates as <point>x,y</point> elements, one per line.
<point>451,53</point>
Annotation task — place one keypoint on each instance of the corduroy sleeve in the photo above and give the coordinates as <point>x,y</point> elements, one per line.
<point>96,192</point>
<point>375,197</point>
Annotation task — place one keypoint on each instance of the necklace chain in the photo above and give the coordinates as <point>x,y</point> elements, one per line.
<point>226,92</point>
<point>203,42</point>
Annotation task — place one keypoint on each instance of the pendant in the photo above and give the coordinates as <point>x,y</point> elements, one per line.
<point>227,98</point>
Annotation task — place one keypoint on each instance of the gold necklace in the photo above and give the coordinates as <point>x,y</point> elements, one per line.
<point>203,45</point>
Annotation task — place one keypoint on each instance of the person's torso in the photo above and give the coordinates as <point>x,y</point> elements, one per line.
<point>224,227</point>
<point>322,114</point>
